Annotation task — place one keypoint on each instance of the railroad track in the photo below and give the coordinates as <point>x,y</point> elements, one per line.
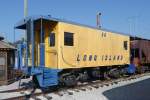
<point>14,90</point>
<point>70,90</point>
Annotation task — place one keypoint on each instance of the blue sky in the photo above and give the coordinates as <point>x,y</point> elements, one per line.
<point>127,16</point>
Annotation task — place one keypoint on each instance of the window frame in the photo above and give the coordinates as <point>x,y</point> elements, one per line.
<point>71,37</point>
<point>125,45</point>
<point>52,44</point>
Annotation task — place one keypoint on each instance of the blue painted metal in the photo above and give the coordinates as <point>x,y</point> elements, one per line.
<point>26,60</point>
<point>49,77</point>
<point>42,55</point>
<point>131,69</point>
<point>20,55</point>
<point>32,40</point>
<point>16,60</point>
<point>42,46</point>
<point>45,76</point>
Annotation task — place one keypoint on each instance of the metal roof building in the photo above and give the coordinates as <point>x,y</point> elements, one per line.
<point>7,60</point>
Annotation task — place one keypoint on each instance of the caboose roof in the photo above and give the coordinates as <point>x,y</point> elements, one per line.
<point>22,24</point>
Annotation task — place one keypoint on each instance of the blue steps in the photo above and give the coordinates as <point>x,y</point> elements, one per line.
<point>47,77</point>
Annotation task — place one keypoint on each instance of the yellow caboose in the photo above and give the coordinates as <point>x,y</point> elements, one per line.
<point>58,50</point>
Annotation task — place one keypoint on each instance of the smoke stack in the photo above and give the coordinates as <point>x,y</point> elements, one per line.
<point>98,19</point>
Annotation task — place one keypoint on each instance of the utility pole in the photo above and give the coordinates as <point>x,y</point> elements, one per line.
<point>25,8</point>
<point>25,37</point>
<point>25,15</point>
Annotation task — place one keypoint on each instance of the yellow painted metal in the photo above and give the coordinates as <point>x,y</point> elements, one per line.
<point>87,41</point>
<point>51,55</point>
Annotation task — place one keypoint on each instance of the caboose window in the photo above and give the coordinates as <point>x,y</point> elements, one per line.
<point>125,45</point>
<point>52,39</point>
<point>68,39</point>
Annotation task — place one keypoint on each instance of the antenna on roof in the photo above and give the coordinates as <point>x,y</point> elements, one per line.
<point>25,8</point>
<point>98,20</point>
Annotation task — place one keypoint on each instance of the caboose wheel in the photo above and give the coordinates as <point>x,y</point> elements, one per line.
<point>70,80</point>
<point>83,77</point>
<point>96,74</point>
<point>140,70</point>
<point>114,73</point>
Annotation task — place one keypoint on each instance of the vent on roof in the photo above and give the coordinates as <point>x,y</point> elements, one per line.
<point>98,20</point>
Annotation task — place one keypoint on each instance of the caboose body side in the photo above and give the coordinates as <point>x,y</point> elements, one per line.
<point>73,46</point>
<point>89,47</point>
<point>54,46</point>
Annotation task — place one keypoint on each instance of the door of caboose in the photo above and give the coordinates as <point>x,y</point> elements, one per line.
<point>39,48</point>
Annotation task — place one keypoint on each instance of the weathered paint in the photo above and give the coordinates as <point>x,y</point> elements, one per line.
<point>87,41</point>
<point>91,42</point>
<point>144,48</point>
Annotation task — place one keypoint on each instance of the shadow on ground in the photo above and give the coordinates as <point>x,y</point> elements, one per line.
<point>135,91</point>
